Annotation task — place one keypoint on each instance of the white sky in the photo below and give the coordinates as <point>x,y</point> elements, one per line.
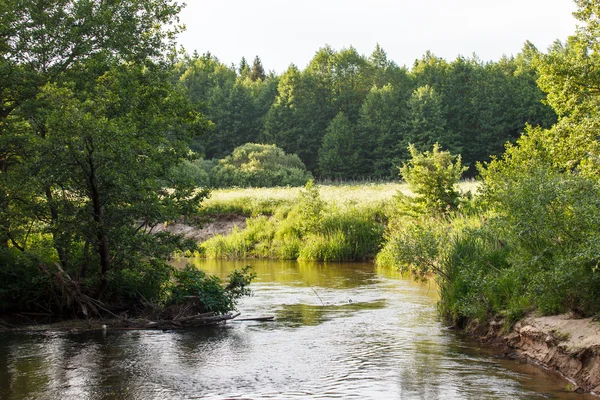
<point>281,32</point>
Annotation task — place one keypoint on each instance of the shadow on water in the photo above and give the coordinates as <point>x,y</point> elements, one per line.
<point>348,331</point>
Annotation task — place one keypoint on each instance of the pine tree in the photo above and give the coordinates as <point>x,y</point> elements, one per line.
<point>244,67</point>
<point>257,72</point>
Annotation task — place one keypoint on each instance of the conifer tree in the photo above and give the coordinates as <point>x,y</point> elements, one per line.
<point>257,72</point>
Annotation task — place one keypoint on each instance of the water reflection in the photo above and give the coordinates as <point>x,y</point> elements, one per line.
<point>347,331</point>
<point>294,273</point>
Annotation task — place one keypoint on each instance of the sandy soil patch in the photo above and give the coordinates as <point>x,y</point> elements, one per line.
<point>218,225</point>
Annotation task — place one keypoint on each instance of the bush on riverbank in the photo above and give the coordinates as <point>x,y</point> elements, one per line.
<point>38,283</point>
<point>531,243</point>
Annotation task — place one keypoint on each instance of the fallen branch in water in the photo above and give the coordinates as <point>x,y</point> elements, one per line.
<point>189,321</point>
<point>271,318</point>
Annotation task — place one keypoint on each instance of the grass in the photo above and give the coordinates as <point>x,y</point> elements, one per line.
<point>348,224</point>
<point>254,201</point>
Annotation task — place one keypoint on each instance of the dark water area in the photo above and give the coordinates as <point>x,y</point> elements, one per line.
<point>341,331</point>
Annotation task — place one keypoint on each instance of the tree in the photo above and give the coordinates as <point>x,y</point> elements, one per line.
<point>298,118</point>
<point>235,116</point>
<point>568,73</point>
<point>59,41</point>
<point>338,154</point>
<point>114,156</point>
<point>542,196</point>
<point>432,176</point>
<point>381,131</point>
<point>243,68</point>
<point>257,72</point>
<point>426,121</point>
<point>385,71</point>
<point>349,79</point>
<point>91,126</point>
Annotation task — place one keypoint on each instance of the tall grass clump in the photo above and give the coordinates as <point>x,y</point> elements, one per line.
<point>308,228</point>
<point>242,243</point>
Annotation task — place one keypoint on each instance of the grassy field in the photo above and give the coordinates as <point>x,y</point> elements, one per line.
<point>248,200</point>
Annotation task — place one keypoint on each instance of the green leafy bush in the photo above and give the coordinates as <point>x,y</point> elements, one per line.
<point>259,165</point>
<point>432,176</point>
<point>550,221</point>
<point>197,172</point>
<point>210,290</point>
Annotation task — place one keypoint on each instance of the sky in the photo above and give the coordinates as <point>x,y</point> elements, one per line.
<point>282,32</point>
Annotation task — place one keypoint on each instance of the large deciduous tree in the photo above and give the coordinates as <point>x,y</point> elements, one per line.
<point>89,126</point>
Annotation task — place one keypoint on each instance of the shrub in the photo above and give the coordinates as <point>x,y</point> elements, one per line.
<point>432,176</point>
<point>192,171</point>
<point>212,293</point>
<point>259,165</point>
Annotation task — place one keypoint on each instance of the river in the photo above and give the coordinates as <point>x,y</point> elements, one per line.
<point>341,331</point>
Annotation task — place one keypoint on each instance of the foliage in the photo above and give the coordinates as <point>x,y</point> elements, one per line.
<point>432,176</point>
<point>338,155</point>
<point>212,293</point>
<point>259,165</point>
<point>310,207</point>
<point>549,220</point>
<point>306,227</point>
<point>466,105</point>
<point>257,72</point>
<point>534,246</point>
<point>92,125</point>
<point>416,246</point>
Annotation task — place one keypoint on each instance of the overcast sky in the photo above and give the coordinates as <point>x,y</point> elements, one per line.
<point>281,32</point>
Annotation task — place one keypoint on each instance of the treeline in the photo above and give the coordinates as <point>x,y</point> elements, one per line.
<point>348,116</point>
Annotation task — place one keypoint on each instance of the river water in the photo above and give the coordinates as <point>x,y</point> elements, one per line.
<point>341,331</point>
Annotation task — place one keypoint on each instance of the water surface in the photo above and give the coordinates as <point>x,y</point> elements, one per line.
<point>342,331</point>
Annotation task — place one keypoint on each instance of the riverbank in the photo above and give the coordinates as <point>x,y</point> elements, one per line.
<point>183,320</point>
<point>559,343</point>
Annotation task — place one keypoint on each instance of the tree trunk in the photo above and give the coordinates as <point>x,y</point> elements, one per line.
<point>86,260</point>
<point>103,246</point>
<point>62,252</point>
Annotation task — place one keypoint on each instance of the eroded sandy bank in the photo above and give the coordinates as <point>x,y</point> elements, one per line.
<point>567,345</point>
<point>221,224</point>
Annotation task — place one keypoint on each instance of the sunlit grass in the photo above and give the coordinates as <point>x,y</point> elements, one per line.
<point>339,194</point>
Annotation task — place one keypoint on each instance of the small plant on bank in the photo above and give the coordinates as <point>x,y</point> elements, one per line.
<point>311,207</point>
<point>417,237</point>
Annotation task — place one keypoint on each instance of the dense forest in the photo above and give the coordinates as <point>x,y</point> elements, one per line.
<point>348,116</point>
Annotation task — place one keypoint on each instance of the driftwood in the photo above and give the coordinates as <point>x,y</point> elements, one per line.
<point>189,321</point>
<point>271,318</point>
